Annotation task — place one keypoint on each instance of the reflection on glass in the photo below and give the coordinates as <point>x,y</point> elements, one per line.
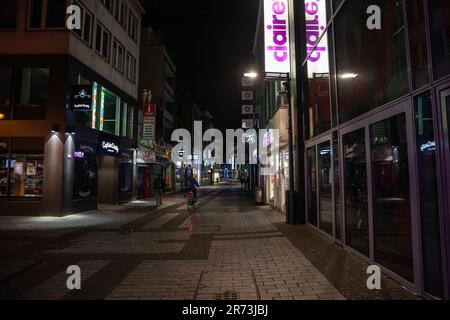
<point>356,206</point>
<point>126,177</point>
<point>371,64</point>
<point>325,188</point>
<point>109,111</point>
<point>311,185</point>
<point>86,171</point>
<point>391,202</point>
<point>26,176</point>
<point>337,187</point>
<point>429,206</point>
<point>440,36</point>
<point>32,94</point>
<point>417,43</point>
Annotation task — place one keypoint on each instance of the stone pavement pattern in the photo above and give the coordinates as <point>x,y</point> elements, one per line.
<point>227,249</point>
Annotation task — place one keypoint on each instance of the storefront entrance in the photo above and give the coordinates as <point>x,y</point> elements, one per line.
<point>107,180</point>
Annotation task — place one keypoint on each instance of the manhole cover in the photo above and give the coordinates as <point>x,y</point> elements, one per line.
<point>227,295</point>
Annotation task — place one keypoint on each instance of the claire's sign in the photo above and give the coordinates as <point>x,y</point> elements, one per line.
<point>276,36</point>
<point>81,99</point>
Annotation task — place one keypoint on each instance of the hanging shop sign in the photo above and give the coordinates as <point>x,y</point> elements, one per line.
<point>81,97</point>
<point>315,24</point>
<point>276,36</point>
<point>110,145</point>
<point>149,124</point>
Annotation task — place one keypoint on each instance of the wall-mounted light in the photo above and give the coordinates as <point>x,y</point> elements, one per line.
<point>55,128</point>
<point>2,116</point>
<point>348,76</point>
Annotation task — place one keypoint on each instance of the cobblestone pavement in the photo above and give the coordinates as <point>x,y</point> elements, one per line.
<point>227,249</point>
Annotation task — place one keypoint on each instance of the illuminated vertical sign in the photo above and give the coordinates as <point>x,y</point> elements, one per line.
<point>94,106</point>
<point>315,24</point>
<point>276,36</point>
<point>102,110</point>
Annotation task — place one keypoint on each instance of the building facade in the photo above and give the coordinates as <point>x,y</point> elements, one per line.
<point>69,105</point>
<point>376,116</point>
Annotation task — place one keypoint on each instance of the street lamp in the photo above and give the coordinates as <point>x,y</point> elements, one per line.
<point>251,75</point>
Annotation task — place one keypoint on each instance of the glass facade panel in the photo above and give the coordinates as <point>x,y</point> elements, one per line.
<point>337,187</point>
<point>391,198</point>
<point>56,14</point>
<point>417,43</point>
<point>429,202</point>
<point>440,36</point>
<point>85,171</point>
<point>4,161</point>
<point>356,203</point>
<point>371,64</point>
<point>325,188</point>
<point>311,185</point>
<point>35,14</point>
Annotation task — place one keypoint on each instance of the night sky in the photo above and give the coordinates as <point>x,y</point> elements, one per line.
<point>211,44</point>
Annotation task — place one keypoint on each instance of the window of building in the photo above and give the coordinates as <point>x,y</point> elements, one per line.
<point>8,14</point>
<point>131,67</point>
<point>417,43</point>
<point>6,81</point>
<point>109,5</point>
<point>121,13</point>
<point>26,169</point>
<point>118,56</point>
<point>109,112</point>
<point>86,24</point>
<point>31,93</point>
<point>56,14</point>
<point>371,64</point>
<point>132,26</point>
<point>102,41</point>
<point>35,15</point>
<point>440,36</point>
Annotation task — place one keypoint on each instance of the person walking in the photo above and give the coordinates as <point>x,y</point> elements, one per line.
<point>158,186</point>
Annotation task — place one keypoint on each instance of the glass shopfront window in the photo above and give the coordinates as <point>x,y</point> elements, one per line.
<point>325,188</point>
<point>26,168</point>
<point>4,164</point>
<point>311,185</point>
<point>440,36</point>
<point>86,171</point>
<point>417,43</point>
<point>429,202</point>
<point>371,64</point>
<point>391,198</point>
<point>356,203</point>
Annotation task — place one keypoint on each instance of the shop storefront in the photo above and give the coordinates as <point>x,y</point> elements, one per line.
<point>377,149</point>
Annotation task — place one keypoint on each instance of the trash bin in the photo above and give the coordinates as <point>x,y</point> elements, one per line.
<point>258,196</point>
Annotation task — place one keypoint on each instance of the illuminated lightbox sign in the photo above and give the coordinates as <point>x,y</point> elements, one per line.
<point>315,24</point>
<point>82,97</point>
<point>110,145</point>
<point>276,36</point>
